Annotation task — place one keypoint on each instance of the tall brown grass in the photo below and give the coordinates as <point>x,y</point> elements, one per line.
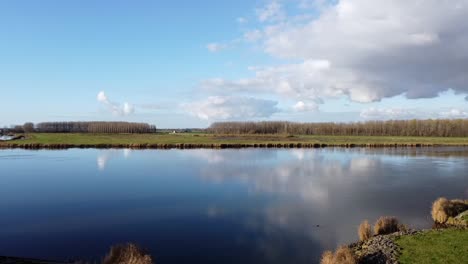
<point>386,225</point>
<point>403,228</point>
<point>127,254</point>
<point>327,257</point>
<point>343,255</point>
<point>443,208</point>
<point>364,231</point>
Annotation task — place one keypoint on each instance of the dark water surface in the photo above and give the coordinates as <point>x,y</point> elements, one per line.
<point>215,206</point>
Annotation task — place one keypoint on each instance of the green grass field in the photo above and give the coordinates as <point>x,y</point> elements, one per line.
<point>435,246</point>
<point>217,140</point>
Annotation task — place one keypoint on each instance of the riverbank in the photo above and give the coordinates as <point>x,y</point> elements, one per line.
<point>414,246</point>
<point>391,242</point>
<point>191,140</point>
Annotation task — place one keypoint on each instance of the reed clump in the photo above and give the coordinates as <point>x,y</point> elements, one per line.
<point>327,257</point>
<point>387,225</point>
<point>127,254</point>
<point>443,209</point>
<point>364,231</point>
<point>343,255</point>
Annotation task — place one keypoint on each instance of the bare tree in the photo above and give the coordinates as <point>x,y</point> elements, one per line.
<point>28,127</point>
<point>435,128</point>
<point>95,127</point>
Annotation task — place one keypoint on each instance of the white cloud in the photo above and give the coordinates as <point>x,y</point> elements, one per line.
<point>115,108</point>
<point>128,109</point>
<point>305,106</point>
<point>253,35</point>
<point>388,113</point>
<point>216,47</point>
<point>455,113</point>
<point>308,80</point>
<point>231,108</point>
<point>316,4</point>
<point>405,113</point>
<point>272,12</point>
<point>367,50</point>
<point>101,97</point>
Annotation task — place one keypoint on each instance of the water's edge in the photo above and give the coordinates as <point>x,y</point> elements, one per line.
<point>217,146</point>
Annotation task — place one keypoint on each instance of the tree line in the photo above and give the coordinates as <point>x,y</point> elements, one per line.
<point>432,128</point>
<point>85,127</point>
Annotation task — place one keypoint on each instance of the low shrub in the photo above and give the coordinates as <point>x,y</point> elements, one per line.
<point>327,257</point>
<point>403,228</point>
<point>343,255</point>
<point>443,209</point>
<point>386,225</point>
<point>364,231</point>
<point>127,254</point>
<point>438,210</point>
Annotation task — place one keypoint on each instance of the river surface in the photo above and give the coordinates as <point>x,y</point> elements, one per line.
<point>215,206</point>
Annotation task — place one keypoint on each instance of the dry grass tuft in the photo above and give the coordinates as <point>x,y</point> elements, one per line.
<point>364,231</point>
<point>443,209</point>
<point>343,255</point>
<point>438,210</point>
<point>386,225</point>
<point>403,228</point>
<point>127,254</point>
<point>327,257</point>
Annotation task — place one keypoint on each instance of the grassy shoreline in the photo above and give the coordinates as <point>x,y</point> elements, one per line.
<point>434,246</point>
<point>393,242</point>
<point>190,140</point>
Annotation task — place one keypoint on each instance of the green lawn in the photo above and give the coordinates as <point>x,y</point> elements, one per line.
<point>207,139</point>
<point>435,246</point>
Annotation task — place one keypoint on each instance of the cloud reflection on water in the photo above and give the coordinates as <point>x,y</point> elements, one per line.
<point>336,189</point>
<point>104,156</point>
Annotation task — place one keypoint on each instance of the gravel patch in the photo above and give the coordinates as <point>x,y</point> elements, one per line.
<point>380,249</point>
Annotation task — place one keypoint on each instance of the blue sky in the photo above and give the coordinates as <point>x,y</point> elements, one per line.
<point>187,63</point>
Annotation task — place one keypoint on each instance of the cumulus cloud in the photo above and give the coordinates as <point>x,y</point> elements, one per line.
<point>305,106</point>
<point>102,97</point>
<point>301,81</point>
<point>231,108</point>
<point>366,50</point>
<point>115,108</point>
<point>466,98</point>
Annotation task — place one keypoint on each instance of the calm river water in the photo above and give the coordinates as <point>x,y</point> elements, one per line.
<point>215,206</point>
